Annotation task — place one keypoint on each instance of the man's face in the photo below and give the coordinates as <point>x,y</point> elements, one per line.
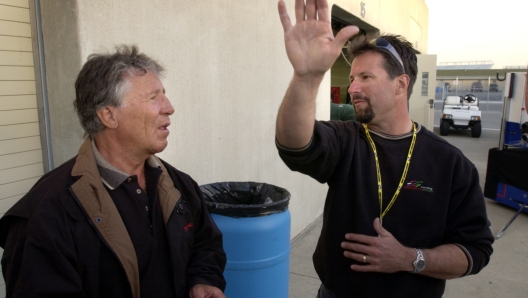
<point>143,117</point>
<point>371,90</point>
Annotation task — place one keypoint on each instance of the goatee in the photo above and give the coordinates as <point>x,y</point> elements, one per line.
<point>364,115</point>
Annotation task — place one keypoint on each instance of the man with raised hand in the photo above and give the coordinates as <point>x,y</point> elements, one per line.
<point>404,209</point>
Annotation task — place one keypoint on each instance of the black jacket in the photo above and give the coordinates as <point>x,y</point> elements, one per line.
<point>54,237</point>
<point>439,203</point>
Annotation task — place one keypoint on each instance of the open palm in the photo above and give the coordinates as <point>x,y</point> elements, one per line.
<point>310,44</point>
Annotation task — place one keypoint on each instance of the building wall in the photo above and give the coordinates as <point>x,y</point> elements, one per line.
<point>21,162</point>
<point>20,148</point>
<point>420,108</point>
<point>227,74</point>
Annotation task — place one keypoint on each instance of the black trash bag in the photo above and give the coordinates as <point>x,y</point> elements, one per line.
<point>245,199</point>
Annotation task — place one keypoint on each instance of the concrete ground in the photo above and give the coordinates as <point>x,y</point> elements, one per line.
<point>505,276</point>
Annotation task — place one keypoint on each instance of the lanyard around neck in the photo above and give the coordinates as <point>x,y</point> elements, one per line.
<point>378,172</point>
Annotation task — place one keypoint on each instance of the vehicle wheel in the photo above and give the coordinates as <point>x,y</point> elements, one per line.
<point>444,128</point>
<point>476,130</point>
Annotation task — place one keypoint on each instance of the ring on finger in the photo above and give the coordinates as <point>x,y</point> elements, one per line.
<point>364,259</point>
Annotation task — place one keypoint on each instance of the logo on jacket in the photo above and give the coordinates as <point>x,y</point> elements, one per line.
<point>417,185</point>
<point>188,227</point>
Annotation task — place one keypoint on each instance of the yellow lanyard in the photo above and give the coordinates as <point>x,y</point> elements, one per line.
<point>378,172</point>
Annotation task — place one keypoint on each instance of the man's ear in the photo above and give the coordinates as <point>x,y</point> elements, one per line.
<point>107,116</point>
<point>402,84</point>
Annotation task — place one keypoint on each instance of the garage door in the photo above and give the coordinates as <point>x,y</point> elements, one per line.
<point>20,147</point>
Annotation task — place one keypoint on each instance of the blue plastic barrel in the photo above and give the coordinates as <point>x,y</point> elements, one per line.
<point>258,255</point>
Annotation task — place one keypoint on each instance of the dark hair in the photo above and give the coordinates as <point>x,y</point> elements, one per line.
<point>391,64</point>
<point>103,82</point>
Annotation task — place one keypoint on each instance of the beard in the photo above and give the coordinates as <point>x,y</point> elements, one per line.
<point>364,115</point>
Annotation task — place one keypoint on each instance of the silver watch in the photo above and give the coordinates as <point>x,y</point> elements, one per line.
<point>419,263</point>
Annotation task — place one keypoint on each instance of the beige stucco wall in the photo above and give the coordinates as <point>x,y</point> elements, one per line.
<point>419,108</point>
<point>227,74</point>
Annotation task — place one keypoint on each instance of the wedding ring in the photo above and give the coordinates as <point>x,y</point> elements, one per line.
<point>364,259</point>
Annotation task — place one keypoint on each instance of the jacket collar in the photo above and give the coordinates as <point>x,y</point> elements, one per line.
<point>111,176</point>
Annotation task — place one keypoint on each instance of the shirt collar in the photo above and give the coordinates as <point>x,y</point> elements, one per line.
<point>397,137</point>
<point>111,176</point>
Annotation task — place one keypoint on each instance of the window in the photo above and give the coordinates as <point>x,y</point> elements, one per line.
<point>425,83</point>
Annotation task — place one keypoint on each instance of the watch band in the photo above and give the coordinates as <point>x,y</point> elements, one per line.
<point>419,263</point>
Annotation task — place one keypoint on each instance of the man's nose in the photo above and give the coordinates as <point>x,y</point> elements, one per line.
<point>167,107</point>
<point>354,88</point>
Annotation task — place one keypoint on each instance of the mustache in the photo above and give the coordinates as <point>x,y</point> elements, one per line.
<point>360,96</point>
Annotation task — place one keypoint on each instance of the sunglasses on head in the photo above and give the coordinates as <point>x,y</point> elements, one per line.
<point>384,44</point>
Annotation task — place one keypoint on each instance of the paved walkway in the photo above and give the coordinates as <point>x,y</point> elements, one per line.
<point>505,276</point>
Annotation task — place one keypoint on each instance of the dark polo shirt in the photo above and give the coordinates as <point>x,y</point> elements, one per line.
<point>141,214</point>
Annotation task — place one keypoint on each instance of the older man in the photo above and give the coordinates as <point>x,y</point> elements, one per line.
<point>115,221</point>
<point>404,209</point>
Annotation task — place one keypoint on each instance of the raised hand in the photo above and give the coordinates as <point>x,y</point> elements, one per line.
<point>310,44</point>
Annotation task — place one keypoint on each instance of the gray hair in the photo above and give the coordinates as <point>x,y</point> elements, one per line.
<point>103,82</point>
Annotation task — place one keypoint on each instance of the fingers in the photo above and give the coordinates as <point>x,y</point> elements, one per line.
<point>322,10</point>
<point>356,248</point>
<point>363,268</point>
<point>359,238</point>
<point>299,11</point>
<point>366,258</point>
<point>361,253</point>
<point>311,10</point>
<point>344,35</point>
<point>357,256</point>
<point>366,262</point>
<point>369,240</point>
<point>380,229</point>
<point>284,17</point>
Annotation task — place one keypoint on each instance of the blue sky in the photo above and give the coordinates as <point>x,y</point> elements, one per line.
<point>473,30</point>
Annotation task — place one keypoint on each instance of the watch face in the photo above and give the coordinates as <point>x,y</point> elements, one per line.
<point>420,265</point>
